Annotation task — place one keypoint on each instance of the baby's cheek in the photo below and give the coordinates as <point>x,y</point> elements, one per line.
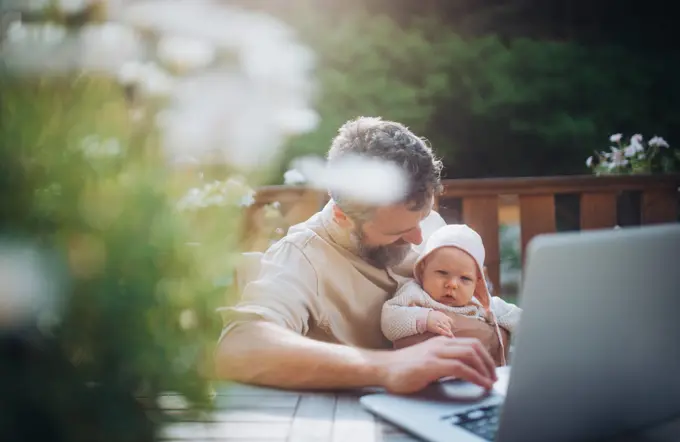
<point>429,286</point>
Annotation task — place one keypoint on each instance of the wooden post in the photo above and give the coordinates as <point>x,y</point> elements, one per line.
<point>538,216</point>
<point>481,214</point>
<point>659,206</point>
<point>598,210</point>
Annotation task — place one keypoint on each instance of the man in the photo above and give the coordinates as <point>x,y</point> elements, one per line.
<point>311,319</point>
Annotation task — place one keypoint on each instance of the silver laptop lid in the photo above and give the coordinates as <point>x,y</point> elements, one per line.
<point>598,348</point>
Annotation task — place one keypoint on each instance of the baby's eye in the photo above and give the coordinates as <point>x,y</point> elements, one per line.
<point>466,279</point>
<point>442,272</point>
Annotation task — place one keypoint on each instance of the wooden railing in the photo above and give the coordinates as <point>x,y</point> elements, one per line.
<point>480,203</point>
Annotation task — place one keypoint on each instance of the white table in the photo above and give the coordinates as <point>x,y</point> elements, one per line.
<point>254,414</point>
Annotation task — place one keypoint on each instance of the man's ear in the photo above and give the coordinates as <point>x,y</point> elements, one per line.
<point>341,218</point>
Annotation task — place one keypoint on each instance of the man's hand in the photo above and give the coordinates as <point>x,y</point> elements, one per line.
<point>411,369</point>
<point>439,323</point>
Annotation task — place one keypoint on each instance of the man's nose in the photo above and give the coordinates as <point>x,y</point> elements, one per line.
<point>414,237</point>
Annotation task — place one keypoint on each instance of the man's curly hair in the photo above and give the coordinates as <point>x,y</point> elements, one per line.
<point>375,138</point>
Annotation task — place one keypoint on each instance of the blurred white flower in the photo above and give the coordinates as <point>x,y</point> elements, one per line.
<point>636,144</point>
<point>630,151</point>
<point>247,200</point>
<point>38,48</point>
<point>29,287</point>
<point>615,138</point>
<point>589,161</point>
<point>617,158</point>
<point>657,141</point>
<point>47,33</point>
<point>279,64</point>
<point>240,115</point>
<point>188,319</point>
<point>154,81</point>
<point>73,6</point>
<point>151,80</point>
<point>172,401</point>
<point>221,117</point>
<point>293,177</point>
<point>108,46</point>
<point>130,73</point>
<point>365,180</point>
<point>95,148</point>
<point>185,54</point>
<point>297,121</point>
<point>233,191</point>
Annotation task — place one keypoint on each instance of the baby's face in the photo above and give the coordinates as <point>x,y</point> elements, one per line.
<point>450,276</point>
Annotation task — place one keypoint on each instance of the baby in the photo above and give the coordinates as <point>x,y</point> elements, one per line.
<point>450,292</point>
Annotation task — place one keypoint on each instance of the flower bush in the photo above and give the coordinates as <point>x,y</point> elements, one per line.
<point>133,134</point>
<point>635,156</point>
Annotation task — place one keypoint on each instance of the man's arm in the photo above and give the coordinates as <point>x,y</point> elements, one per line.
<point>263,353</point>
<point>266,354</point>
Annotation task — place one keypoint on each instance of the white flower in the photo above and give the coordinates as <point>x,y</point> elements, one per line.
<point>47,33</point>
<point>39,48</point>
<point>188,319</point>
<point>293,177</point>
<point>94,148</point>
<point>149,77</point>
<point>107,47</point>
<point>297,121</point>
<point>172,401</point>
<point>29,285</point>
<point>657,141</point>
<point>130,73</point>
<point>154,81</point>
<point>236,115</point>
<point>233,191</point>
<point>630,151</point>
<point>363,180</point>
<point>247,201</point>
<point>615,138</point>
<point>617,158</point>
<point>589,161</point>
<point>185,54</point>
<point>636,144</point>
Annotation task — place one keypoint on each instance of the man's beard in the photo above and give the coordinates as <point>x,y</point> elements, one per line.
<point>380,256</point>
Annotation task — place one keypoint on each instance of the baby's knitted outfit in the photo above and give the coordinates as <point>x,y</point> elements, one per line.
<point>406,313</point>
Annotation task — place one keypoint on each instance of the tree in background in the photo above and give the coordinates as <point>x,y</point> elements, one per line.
<point>495,90</point>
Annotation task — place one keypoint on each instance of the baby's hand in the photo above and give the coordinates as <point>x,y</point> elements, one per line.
<point>439,323</point>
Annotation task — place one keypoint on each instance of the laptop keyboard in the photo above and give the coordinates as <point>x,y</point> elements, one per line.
<point>481,421</point>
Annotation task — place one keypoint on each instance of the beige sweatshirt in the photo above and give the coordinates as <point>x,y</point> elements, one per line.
<point>406,313</point>
<point>313,282</point>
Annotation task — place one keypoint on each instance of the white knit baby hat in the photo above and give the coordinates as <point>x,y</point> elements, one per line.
<point>466,239</point>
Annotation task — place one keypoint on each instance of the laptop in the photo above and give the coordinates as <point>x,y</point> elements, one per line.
<point>597,352</point>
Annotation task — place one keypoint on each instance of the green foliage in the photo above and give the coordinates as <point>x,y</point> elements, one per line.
<point>138,305</point>
<point>490,106</point>
<point>370,66</point>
